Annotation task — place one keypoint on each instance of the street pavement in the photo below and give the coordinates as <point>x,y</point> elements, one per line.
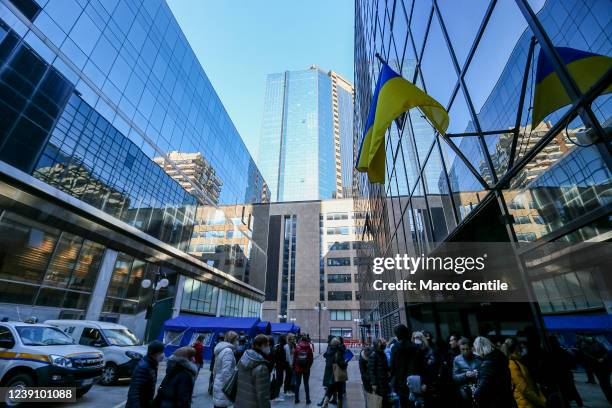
<point>114,396</point>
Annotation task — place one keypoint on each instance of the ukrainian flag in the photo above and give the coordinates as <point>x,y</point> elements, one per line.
<point>585,67</point>
<point>393,96</point>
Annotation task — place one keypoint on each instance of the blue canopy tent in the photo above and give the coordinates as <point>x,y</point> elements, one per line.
<point>278,329</point>
<point>184,329</point>
<point>284,328</point>
<point>567,326</point>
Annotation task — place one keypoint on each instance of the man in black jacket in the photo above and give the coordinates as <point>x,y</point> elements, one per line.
<point>144,377</point>
<point>176,388</point>
<point>404,355</point>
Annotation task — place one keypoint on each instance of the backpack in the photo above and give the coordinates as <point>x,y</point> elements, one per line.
<point>301,359</point>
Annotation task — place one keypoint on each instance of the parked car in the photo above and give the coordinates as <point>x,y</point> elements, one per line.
<point>41,355</point>
<point>122,349</point>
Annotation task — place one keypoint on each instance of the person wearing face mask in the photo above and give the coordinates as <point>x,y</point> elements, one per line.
<point>465,371</point>
<point>253,389</point>
<point>225,362</point>
<point>526,392</point>
<point>144,377</point>
<point>176,388</point>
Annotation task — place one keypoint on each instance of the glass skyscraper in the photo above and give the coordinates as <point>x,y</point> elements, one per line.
<point>494,176</point>
<point>306,148</point>
<point>97,100</point>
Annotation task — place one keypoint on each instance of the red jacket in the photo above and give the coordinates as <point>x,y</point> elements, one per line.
<point>303,348</point>
<point>199,355</point>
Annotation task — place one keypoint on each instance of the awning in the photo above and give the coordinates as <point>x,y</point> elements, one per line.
<point>591,322</point>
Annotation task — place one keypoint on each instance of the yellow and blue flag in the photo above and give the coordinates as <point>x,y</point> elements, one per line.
<point>585,67</point>
<point>393,96</point>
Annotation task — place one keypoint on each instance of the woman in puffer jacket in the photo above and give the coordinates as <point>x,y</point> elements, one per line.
<point>526,392</point>
<point>225,362</point>
<point>254,376</point>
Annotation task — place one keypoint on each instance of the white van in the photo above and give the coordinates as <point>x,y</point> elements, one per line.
<point>122,349</point>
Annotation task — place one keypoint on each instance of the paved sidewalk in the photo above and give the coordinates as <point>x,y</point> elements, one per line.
<point>114,396</point>
<point>354,395</point>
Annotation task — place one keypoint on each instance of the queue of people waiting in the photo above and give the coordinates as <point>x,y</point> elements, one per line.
<point>414,370</point>
<point>244,373</point>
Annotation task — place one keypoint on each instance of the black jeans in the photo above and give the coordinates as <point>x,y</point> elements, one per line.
<point>298,380</point>
<point>288,376</point>
<point>335,389</point>
<point>278,385</point>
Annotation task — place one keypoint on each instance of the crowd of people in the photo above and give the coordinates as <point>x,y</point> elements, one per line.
<point>411,370</point>
<point>263,371</point>
<point>414,370</point>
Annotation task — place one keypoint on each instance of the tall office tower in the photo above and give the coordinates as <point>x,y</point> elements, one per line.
<point>306,150</point>
<point>495,176</point>
<point>110,133</point>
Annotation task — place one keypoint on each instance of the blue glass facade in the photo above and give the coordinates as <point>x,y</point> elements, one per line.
<point>130,62</point>
<point>297,151</point>
<point>345,130</point>
<point>95,95</point>
<point>546,184</point>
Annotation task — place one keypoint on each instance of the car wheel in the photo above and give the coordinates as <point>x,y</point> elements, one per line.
<point>109,374</point>
<point>19,381</point>
<point>82,391</point>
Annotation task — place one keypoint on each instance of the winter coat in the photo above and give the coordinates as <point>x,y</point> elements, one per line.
<point>526,393</point>
<point>494,385</point>
<point>301,348</point>
<point>333,355</point>
<point>253,381</point>
<point>405,356</point>
<point>223,370</point>
<point>199,355</point>
<point>278,356</point>
<point>176,388</point>
<point>378,372</point>
<point>289,348</point>
<point>363,370</point>
<point>461,366</point>
<point>142,386</point>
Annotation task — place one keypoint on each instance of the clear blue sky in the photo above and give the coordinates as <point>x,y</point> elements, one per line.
<point>239,42</point>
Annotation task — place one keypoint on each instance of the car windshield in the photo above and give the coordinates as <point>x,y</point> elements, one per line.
<point>42,336</point>
<point>120,337</point>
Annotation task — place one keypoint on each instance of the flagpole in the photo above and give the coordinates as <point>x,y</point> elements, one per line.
<point>377,55</point>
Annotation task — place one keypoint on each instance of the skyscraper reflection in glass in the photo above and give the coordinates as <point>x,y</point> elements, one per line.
<point>105,104</point>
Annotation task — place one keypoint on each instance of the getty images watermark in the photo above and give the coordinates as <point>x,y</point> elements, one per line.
<point>481,272</point>
<point>438,265</point>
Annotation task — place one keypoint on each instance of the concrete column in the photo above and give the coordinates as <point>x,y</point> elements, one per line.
<point>220,302</point>
<point>99,292</point>
<point>178,298</point>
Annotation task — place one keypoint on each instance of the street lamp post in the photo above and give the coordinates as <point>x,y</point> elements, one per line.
<point>156,286</point>
<point>319,307</point>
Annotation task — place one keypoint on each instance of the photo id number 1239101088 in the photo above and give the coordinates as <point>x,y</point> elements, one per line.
<point>17,395</point>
